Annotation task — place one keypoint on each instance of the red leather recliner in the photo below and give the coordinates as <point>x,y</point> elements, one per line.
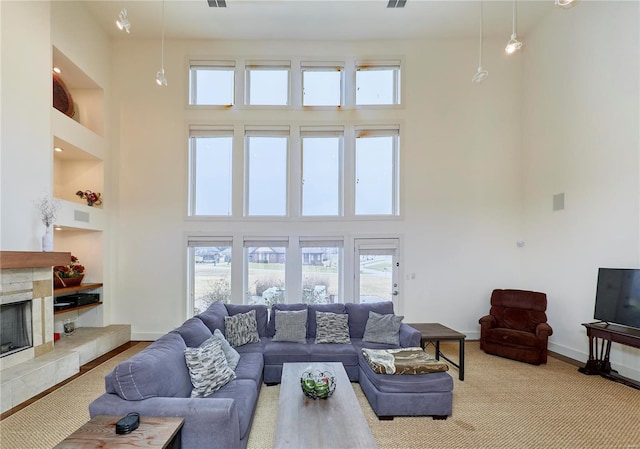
<point>516,327</point>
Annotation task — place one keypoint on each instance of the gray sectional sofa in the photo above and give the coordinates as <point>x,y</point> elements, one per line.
<point>156,381</point>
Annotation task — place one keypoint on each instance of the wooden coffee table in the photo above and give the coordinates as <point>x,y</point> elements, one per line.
<point>100,432</point>
<point>337,422</point>
<point>436,332</point>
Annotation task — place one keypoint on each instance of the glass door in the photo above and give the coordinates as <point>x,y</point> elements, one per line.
<point>376,272</point>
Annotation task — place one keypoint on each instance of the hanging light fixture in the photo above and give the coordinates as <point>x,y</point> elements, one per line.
<point>514,44</point>
<point>123,22</point>
<point>481,74</point>
<point>565,3</point>
<point>161,79</point>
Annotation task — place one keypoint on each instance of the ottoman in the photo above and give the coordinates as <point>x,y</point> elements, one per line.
<point>407,394</point>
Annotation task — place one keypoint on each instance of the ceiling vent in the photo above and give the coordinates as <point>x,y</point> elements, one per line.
<point>396,3</point>
<point>217,3</point>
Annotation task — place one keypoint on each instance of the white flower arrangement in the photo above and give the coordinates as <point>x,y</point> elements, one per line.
<point>48,208</point>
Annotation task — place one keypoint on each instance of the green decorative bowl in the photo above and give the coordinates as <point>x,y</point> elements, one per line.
<point>318,384</point>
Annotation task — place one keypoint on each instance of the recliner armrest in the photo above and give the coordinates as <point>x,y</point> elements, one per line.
<point>487,322</point>
<point>543,330</point>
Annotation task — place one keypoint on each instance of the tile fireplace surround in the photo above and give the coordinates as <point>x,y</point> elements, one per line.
<point>27,276</point>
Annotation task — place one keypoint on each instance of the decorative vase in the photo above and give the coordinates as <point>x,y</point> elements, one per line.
<point>67,282</point>
<point>47,239</point>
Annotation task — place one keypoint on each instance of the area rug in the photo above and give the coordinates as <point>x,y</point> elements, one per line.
<point>501,404</point>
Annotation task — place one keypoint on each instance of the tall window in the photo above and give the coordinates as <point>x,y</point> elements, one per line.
<point>266,171</point>
<point>267,83</point>
<point>210,265</point>
<point>377,269</point>
<point>322,84</point>
<point>322,151</point>
<point>378,83</point>
<point>210,160</point>
<point>265,271</point>
<point>321,271</point>
<point>376,167</point>
<point>211,83</point>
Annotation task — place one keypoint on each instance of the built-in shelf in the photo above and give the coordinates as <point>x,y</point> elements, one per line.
<point>71,309</point>
<point>76,288</point>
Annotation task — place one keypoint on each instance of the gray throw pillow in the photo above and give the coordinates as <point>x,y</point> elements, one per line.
<point>291,326</point>
<point>383,328</point>
<point>231,354</point>
<point>332,327</point>
<point>241,328</point>
<point>208,368</point>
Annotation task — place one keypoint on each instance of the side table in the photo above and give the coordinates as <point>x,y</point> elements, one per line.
<point>436,332</point>
<point>100,432</point>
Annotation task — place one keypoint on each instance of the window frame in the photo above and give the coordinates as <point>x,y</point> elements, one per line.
<point>309,66</point>
<point>266,66</point>
<point>396,66</point>
<point>221,65</point>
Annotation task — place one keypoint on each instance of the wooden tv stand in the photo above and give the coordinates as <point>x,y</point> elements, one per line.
<point>598,362</point>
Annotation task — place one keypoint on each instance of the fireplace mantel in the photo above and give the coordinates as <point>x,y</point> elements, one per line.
<point>31,259</point>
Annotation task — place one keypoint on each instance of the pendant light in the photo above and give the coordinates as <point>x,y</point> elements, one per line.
<point>161,79</point>
<point>565,3</point>
<point>123,22</point>
<point>481,74</point>
<point>514,44</point>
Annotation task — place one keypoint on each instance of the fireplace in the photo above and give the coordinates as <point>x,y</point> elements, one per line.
<point>15,327</point>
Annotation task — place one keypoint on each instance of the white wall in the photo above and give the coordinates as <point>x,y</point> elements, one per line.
<point>25,145</point>
<point>461,172</point>
<point>581,138</point>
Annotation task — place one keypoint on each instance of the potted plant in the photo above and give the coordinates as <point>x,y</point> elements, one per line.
<point>68,275</point>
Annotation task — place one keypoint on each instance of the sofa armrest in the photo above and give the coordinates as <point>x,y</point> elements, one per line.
<point>487,322</point>
<point>209,423</point>
<point>543,330</point>
<point>409,336</point>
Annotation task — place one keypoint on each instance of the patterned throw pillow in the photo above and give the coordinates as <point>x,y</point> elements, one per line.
<point>383,328</point>
<point>241,328</point>
<point>291,326</point>
<point>332,327</point>
<point>231,354</point>
<point>208,368</point>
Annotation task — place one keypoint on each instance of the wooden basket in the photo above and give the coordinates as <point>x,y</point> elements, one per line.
<point>59,282</point>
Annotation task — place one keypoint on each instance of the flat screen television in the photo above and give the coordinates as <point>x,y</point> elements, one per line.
<point>618,296</point>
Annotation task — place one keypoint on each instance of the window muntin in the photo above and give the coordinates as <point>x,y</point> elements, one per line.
<point>376,177</point>
<point>266,172</point>
<point>211,83</point>
<point>322,172</point>
<point>210,263</point>
<point>265,262</point>
<point>267,84</point>
<point>210,156</point>
<point>321,271</point>
<point>322,86</point>
<point>378,84</point>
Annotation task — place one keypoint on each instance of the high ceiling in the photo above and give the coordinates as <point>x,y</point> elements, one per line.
<point>320,20</point>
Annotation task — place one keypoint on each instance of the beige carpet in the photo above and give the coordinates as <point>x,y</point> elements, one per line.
<point>502,404</point>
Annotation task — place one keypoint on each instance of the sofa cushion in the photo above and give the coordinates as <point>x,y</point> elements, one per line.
<point>511,337</point>
<point>383,328</point>
<point>241,328</point>
<point>213,317</point>
<point>245,395</point>
<point>291,326</point>
<point>250,366</point>
<point>344,353</point>
<point>279,352</point>
<point>261,314</point>
<point>208,367</point>
<point>271,325</point>
<point>158,370</point>
<point>194,332</point>
<point>230,354</point>
<point>332,328</point>
<point>313,308</point>
<point>359,314</point>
